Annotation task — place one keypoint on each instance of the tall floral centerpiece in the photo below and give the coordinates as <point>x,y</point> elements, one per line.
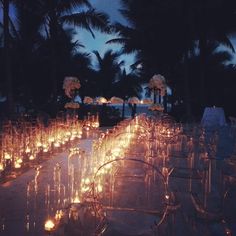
<point>71,86</point>
<point>157,85</point>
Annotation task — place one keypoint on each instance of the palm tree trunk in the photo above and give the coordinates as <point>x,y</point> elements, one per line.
<point>123,111</point>
<point>165,102</point>
<point>154,96</point>
<point>203,53</point>
<point>54,60</point>
<point>159,96</point>
<point>187,97</point>
<point>202,47</point>
<point>8,75</point>
<point>134,108</point>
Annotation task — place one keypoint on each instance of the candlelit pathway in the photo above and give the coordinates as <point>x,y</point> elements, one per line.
<point>19,217</point>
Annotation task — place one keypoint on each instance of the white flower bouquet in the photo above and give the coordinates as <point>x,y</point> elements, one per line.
<point>133,100</point>
<point>147,101</point>
<point>101,100</point>
<point>156,107</point>
<point>72,105</point>
<point>88,100</point>
<point>70,84</point>
<point>116,100</point>
<point>158,82</point>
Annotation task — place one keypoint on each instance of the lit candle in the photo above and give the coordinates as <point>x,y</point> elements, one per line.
<point>49,226</point>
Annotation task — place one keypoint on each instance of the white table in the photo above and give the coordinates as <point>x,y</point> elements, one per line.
<point>213,116</point>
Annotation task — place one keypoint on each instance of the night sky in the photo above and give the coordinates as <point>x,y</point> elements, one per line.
<point>110,7</point>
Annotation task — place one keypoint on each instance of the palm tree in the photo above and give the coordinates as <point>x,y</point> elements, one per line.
<point>39,22</point>
<point>7,57</point>
<point>152,38</point>
<point>219,83</point>
<point>164,33</point>
<point>128,85</point>
<point>83,69</point>
<point>209,27</point>
<point>218,73</point>
<point>26,40</point>
<point>109,67</point>
<point>150,33</point>
<point>58,14</point>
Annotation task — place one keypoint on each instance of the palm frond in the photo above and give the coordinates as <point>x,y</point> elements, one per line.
<point>13,29</point>
<point>68,7</point>
<point>123,30</point>
<point>121,63</point>
<point>135,64</point>
<point>117,40</point>
<point>221,57</point>
<point>83,60</point>
<point>98,56</point>
<point>77,44</point>
<point>222,38</point>
<point>87,20</point>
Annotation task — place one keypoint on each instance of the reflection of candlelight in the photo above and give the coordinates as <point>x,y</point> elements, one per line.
<point>27,150</point>
<point>38,144</point>
<point>7,156</point>
<point>59,215</point>
<point>19,161</point>
<point>87,181</point>
<point>84,189</point>
<point>1,167</point>
<point>167,197</point>
<point>31,157</point>
<point>17,165</point>
<point>45,150</point>
<point>57,144</point>
<point>51,140</point>
<point>165,171</point>
<point>99,188</point>
<point>76,200</point>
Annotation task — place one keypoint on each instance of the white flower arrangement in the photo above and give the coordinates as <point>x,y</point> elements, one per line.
<point>147,101</point>
<point>70,84</point>
<point>72,105</point>
<point>133,100</point>
<point>116,100</point>
<point>156,107</point>
<point>101,100</point>
<point>158,82</point>
<point>88,100</point>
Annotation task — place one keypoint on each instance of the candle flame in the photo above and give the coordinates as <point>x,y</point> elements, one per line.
<point>49,225</point>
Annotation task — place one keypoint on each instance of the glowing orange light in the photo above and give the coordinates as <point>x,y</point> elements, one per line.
<point>49,225</point>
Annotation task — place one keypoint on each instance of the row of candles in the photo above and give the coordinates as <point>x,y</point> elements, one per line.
<point>93,177</point>
<point>80,183</point>
<point>153,141</point>
<point>23,141</point>
<point>156,142</point>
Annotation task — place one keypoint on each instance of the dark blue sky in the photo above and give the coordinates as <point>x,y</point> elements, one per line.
<point>111,7</point>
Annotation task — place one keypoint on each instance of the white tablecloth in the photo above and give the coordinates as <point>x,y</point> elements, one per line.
<point>213,116</point>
